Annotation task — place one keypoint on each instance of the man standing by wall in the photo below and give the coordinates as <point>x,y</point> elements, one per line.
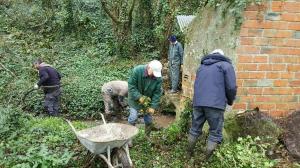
<point>175,61</point>
<point>215,86</point>
<point>50,83</point>
<point>144,92</point>
<point>113,93</point>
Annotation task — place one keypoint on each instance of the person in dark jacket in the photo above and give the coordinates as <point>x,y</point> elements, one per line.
<point>144,92</point>
<point>50,83</point>
<point>215,86</point>
<point>175,57</point>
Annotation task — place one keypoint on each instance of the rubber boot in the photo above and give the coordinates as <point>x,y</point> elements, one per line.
<point>211,146</point>
<point>192,140</point>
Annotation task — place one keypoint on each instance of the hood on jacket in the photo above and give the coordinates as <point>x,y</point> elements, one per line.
<point>214,58</point>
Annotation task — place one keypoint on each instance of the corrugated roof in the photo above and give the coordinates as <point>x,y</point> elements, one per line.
<point>184,21</point>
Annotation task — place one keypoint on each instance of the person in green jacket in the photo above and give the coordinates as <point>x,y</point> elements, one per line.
<point>144,92</point>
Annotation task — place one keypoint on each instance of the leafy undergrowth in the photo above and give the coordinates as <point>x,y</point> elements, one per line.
<point>167,148</point>
<point>37,142</point>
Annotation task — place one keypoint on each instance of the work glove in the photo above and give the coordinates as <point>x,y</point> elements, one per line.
<point>150,110</point>
<point>144,100</point>
<point>36,86</point>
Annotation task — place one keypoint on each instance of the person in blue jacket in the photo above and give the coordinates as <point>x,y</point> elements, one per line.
<point>214,88</point>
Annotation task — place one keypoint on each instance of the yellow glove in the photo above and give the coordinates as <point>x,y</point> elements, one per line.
<point>142,99</point>
<point>150,110</point>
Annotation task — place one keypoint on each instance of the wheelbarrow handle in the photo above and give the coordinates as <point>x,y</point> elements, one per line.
<point>71,125</point>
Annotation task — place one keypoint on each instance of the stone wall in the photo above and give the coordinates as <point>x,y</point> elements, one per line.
<point>265,53</point>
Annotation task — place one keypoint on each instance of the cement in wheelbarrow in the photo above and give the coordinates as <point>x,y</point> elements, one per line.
<point>97,139</point>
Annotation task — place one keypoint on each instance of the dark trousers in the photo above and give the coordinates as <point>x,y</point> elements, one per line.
<point>215,119</point>
<point>52,101</point>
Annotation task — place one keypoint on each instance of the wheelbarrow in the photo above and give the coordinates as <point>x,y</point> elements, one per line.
<point>110,139</point>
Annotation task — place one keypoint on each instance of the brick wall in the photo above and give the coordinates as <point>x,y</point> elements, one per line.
<point>265,53</point>
<point>268,58</point>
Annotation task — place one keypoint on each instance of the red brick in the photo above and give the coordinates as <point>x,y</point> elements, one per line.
<point>293,67</point>
<point>277,41</point>
<point>278,67</point>
<point>297,91</point>
<point>277,91</point>
<point>276,59</point>
<point>255,91</point>
<point>239,82</point>
<point>277,6</point>
<point>246,40</point>
<point>294,25</point>
<point>278,33</point>
<point>247,98</point>
<point>287,75</point>
<point>244,32</point>
<point>286,99</point>
<point>242,91</point>
<point>292,7</point>
<point>242,75</point>
<point>279,25</point>
<point>250,83</point>
<point>264,67</point>
<point>290,59</point>
<point>244,59</point>
<point>248,67</point>
<point>292,43</point>
<point>261,41</point>
<point>292,17</point>
<point>247,49</point>
<point>255,32</point>
<point>260,59</point>
<point>282,106</point>
<point>251,24</point>
<point>280,83</point>
<point>253,7</point>
<point>273,75</point>
<point>294,83</point>
<point>267,99</point>
<point>268,50</point>
<point>267,106</point>
<point>253,15</point>
<point>257,75</point>
<point>277,113</point>
<point>240,106</point>
<point>297,75</point>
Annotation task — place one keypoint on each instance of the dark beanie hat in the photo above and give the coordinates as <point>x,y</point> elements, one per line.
<point>172,38</point>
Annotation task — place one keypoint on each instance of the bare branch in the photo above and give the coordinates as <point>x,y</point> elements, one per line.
<point>107,11</point>
<point>130,13</point>
<point>8,70</point>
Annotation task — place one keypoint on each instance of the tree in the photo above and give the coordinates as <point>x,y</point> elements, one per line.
<point>121,14</point>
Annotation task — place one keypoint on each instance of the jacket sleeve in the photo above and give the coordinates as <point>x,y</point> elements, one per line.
<point>155,99</point>
<point>230,84</point>
<point>132,85</point>
<point>180,50</point>
<point>43,76</point>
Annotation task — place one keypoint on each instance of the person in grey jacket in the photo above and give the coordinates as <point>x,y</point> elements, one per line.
<point>175,57</point>
<point>214,88</point>
<point>113,93</point>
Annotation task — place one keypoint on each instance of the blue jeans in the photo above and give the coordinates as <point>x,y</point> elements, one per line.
<point>215,119</point>
<point>133,116</point>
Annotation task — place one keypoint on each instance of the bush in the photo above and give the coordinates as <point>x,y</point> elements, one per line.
<point>246,152</point>
<point>42,142</point>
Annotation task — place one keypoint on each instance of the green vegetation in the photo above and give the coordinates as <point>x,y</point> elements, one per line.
<point>82,41</point>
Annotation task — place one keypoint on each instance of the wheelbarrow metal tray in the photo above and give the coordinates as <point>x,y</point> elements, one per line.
<point>98,138</point>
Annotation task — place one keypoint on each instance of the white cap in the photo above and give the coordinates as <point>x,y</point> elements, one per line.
<point>156,66</point>
<point>217,51</point>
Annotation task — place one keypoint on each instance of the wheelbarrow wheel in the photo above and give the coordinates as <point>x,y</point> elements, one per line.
<point>120,159</point>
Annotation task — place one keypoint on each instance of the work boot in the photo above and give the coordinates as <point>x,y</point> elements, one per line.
<point>192,140</point>
<point>211,146</point>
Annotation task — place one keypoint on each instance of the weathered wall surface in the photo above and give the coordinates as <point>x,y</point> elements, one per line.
<point>208,31</point>
<point>266,54</point>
